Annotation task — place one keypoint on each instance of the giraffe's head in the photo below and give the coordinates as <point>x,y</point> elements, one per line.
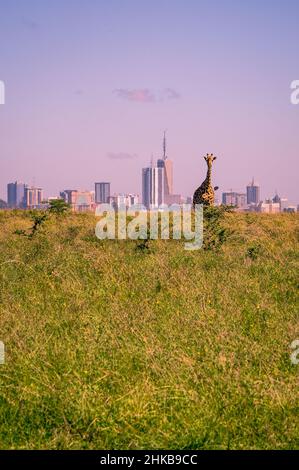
<point>209,158</point>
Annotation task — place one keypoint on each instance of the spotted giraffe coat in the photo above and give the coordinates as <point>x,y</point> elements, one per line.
<point>205,193</point>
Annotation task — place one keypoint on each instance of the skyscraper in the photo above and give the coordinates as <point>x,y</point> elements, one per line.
<point>157,182</point>
<point>253,193</point>
<point>15,194</point>
<point>152,187</point>
<point>232,198</point>
<point>158,186</point>
<point>167,164</point>
<point>102,193</point>
<point>33,197</point>
<point>147,186</point>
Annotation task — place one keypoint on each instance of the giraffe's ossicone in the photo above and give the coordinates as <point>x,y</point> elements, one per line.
<point>205,193</point>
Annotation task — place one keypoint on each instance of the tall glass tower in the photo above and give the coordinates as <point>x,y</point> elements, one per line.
<point>102,193</point>
<point>16,194</point>
<point>168,171</point>
<point>253,193</point>
<point>152,187</point>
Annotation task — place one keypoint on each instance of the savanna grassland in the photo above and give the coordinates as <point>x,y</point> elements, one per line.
<point>110,345</point>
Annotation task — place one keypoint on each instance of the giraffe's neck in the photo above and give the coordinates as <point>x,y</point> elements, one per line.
<point>208,177</point>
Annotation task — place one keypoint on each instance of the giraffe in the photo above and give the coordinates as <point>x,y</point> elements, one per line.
<point>205,193</point>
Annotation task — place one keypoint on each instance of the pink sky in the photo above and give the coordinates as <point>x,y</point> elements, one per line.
<point>91,86</point>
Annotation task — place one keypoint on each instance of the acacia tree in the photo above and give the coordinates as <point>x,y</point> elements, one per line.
<point>58,207</point>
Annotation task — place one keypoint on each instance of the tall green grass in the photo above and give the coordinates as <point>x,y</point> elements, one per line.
<point>112,347</point>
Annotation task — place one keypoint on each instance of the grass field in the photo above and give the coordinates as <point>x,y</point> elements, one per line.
<point>112,347</point>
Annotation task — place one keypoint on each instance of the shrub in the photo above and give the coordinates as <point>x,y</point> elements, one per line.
<point>215,234</point>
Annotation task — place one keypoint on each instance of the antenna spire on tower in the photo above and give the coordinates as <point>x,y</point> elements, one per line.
<point>164,146</point>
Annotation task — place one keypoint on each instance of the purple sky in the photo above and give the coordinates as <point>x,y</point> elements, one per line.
<point>92,84</point>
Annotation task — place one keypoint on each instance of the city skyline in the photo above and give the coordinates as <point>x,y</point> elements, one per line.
<point>154,193</point>
<point>156,176</point>
<point>229,188</point>
<point>93,95</point>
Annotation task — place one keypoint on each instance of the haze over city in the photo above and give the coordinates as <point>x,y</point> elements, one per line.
<point>91,86</point>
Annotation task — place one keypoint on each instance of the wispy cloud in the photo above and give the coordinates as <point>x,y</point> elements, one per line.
<point>171,94</point>
<point>145,95</point>
<point>121,156</point>
<point>141,95</point>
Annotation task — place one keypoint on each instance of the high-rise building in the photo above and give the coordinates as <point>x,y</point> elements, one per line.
<point>167,164</point>
<point>282,201</point>
<point>152,187</point>
<point>147,175</point>
<point>158,186</point>
<point>232,198</point>
<point>157,183</point>
<point>269,207</point>
<point>15,195</point>
<point>253,193</point>
<point>102,193</point>
<point>66,195</point>
<point>124,200</point>
<point>79,201</point>
<point>33,197</point>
